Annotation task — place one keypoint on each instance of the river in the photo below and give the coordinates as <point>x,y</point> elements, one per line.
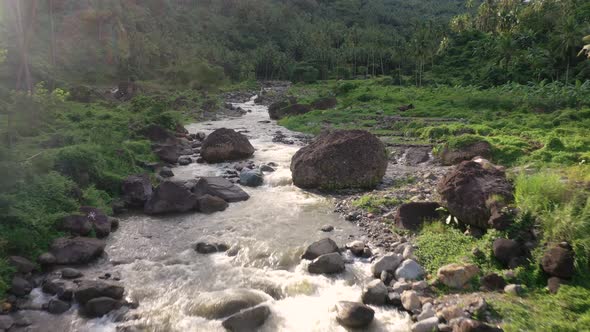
<point>172,283</point>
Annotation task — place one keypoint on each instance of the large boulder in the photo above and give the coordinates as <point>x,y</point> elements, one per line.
<point>247,320</point>
<point>219,304</point>
<point>226,144</point>
<point>251,178</point>
<point>78,250</point>
<point>354,314</point>
<point>558,262</point>
<point>324,103</point>
<point>20,286</point>
<point>167,152</point>
<point>319,248</point>
<point>92,289</point>
<point>409,270</point>
<point>219,187</point>
<point>137,189</point>
<point>474,191</point>
<point>411,215</point>
<point>327,264</point>
<point>452,155</point>
<point>277,113</point>
<point>171,197</point>
<point>457,275</point>
<point>340,159</point>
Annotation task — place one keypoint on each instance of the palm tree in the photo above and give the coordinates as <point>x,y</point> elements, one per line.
<point>568,37</point>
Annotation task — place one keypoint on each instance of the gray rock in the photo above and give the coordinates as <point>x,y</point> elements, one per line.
<point>267,168</point>
<point>220,304</point>
<point>251,178</point>
<point>394,299</point>
<point>21,320</point>
<point>353,314</point>
<point>220,187</point>
<point>210,204</point>
<point>409,270</point>
<point>427,312</point>
<point>78,250</point>
<point>170,197</point>
<point>70,273</point>
<point>91,289</point>
<point>184,160</point>
<point>318,248</point>
<point>513,289</point>
<point>137,189</point>
<point>57,307</point>
<point>6,322</point>
<point>46,259</point>
<point>100,306</point>
<point>166,172</point>
<point>426,325</point>
<point>400,286</point>
<point>226,144</point>
<point>76,224</point>
<point>356,248</point>
<point>388,263</point>
<point>247,320</point>
<point>327,228</point>
<point>375,293</point>
<point>328,264</point>
<point>20,286</point>
<point>411,301</point>
<point>21,264</point>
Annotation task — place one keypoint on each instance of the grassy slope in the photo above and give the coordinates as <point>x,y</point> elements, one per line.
<point>544,128</point>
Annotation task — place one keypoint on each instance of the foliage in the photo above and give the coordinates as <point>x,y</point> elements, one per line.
<point>373,203</point>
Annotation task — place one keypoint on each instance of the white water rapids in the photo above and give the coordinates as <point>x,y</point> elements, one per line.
<point>169,280</point>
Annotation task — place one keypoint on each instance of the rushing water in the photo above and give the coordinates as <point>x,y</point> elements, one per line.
<point>172,283</point>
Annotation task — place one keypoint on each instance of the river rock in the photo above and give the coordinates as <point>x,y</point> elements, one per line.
<point>100,306</point>
<point>166,172</point>
<point>472,192</point>
<point>76,224</point>
<point>184,160</point>
<point>210,248</point>
<point>57,307</point>
<point>70,273</point>
<point>321,247</point>
<point>375,293</point>
<point>267,168</point>
<point>170,197</point>
<point>226,144</point>
<point>471,325</point>
<point>21,320</point>
<point>340,159</point>
<point>329,264</point>
<point>457,275</point>
<point>247,320</point>
<point>251,178</point>
<point>91,289</point>
<point>426,325</point>
<point>411,215</point>
<point>409,270</point>
<point>401,286</point>
<point>505,250</point>
<point>78,250</point>
<point>389,263</point>
<point>211,204</point>
<point>21,264</point>
<point>6,322</point>
<point>411,301</point>
<point>327,228</point>
<point>220,187</point>
<point>558,262</point>
<point>219,304</point>
<point>513,289</point>
<point>455,155</point>
<point>20,286</point>
<point>137,189</point>
<point>356,247</point>
<point>354,314</point>
<point>101,224</point>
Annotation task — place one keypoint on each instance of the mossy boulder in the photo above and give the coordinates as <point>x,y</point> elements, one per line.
<point>464,147</point>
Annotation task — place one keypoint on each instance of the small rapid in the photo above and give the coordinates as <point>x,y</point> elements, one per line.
<point>176,287</point>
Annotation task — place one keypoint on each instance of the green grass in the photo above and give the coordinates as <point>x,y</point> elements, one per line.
<point>373,203</point>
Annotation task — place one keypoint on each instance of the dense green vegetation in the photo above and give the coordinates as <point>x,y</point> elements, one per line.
<point>508,72</point>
